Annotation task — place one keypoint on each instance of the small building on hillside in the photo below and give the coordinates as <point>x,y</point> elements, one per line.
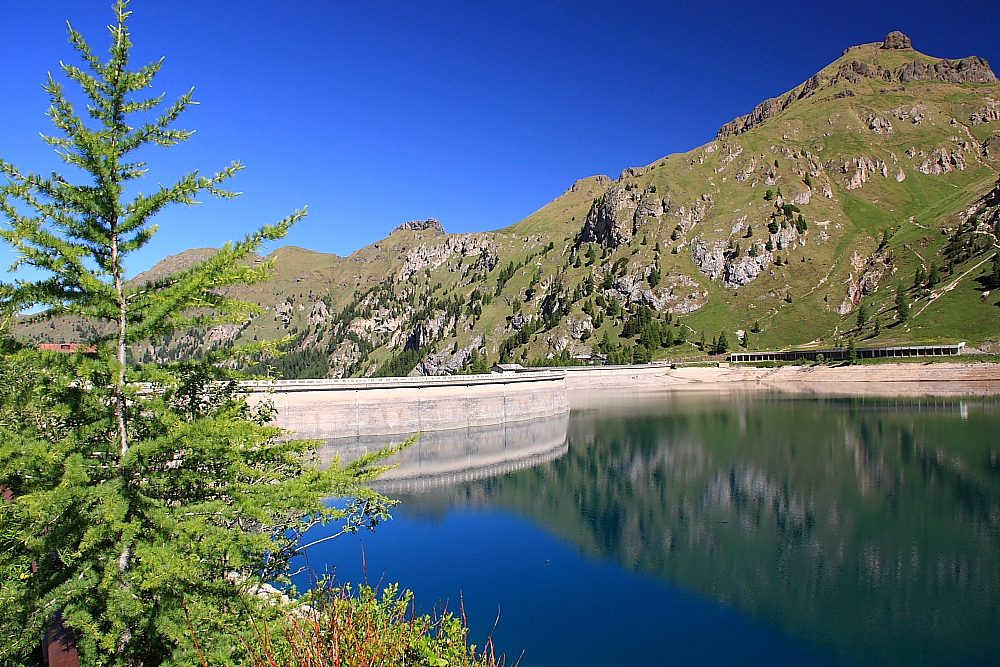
<point>507,368</point>
<point>67,347</point>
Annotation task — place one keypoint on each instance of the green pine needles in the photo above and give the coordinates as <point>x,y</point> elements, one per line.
<point>150,505</point>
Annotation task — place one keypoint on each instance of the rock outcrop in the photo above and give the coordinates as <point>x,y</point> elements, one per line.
<point>616,217</point>
<point>863,169</point>
<point>967,70</point>
<point>678,294</point>
<point>897,41</point>
<point>421,225</point>
<point>745,269</point>
<point>317,314</point>
<point>723,260</point>
<point>346,353</point>
<point>943,162</point>
<point>588,184</point>
<point>746,169</point>
<point>283,310</point>
<point>717,260</point>
<point>446,362</point>
<point>865,277</point>
<point>698,210</point>
<point>578,326</point>
<point>991,148</point>
<point>879,125</point>
<point>855,71</point>
<point>989,112</point>
<point>434,255</point>
<point>709,257</point>
<point>763,111</point>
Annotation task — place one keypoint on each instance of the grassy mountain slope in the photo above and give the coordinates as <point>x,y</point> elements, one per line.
<point>817,205</point>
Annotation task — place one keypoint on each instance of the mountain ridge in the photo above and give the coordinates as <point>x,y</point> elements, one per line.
<point>818,202</point>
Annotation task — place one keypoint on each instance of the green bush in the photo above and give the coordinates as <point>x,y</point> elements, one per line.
<point>363,628</point>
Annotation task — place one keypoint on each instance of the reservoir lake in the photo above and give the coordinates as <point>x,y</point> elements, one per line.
<point>700,528</point>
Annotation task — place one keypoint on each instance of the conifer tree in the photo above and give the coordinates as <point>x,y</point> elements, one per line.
<point>902,304</point>
<point>654,276</point>
<point>862,315</point>
<point>666,335</point>
<point>606,343</point>
<point>934,276</point>
<point>722,345</point>
<point>150,515</point>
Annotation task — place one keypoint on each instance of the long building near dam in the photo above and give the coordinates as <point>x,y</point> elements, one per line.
<point>841,353</point>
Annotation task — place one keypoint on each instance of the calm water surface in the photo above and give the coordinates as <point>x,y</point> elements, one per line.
<point>698,529</point>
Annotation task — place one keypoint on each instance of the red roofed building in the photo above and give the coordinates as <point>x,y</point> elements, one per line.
<point>67,347</point>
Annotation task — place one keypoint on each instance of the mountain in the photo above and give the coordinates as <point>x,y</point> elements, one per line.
<point>878,174</point>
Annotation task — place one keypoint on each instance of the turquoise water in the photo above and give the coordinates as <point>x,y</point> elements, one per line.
<point>680,529</point>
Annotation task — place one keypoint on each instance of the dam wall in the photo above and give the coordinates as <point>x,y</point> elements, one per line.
<point>354,408</point>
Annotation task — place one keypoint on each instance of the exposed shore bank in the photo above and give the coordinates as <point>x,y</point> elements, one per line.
<point>904,379</point>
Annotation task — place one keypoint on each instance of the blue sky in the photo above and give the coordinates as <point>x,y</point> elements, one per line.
<point>476,114</point>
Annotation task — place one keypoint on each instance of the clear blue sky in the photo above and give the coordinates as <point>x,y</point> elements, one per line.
<point>375,113</point>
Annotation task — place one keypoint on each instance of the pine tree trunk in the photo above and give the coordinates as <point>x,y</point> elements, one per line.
<point>122,323</point>
<point>125,556</point>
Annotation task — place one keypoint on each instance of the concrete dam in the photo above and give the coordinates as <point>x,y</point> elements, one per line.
<point>324,409</point>
<point>471,426</point>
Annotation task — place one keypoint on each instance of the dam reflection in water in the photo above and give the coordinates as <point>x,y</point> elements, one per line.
<point>443,458</point>
<point>679,529</point>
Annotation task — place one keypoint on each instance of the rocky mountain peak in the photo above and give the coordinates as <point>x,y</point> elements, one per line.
<point>897,41</point>
<point>972,69</point>
<point>421,225</point>
<point>601,180</point>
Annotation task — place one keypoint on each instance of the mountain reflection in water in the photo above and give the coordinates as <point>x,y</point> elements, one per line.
<point>866,528</point>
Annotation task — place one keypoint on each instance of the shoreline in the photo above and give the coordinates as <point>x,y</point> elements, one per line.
<point>942,379</point>
<point>325,409</point>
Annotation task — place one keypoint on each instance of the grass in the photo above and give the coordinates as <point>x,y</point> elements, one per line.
<point>364,627</point>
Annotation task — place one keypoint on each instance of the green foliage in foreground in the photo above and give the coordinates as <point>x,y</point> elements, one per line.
<point>147,502</point>
<point>208,504</point>
<point>365,628</point>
